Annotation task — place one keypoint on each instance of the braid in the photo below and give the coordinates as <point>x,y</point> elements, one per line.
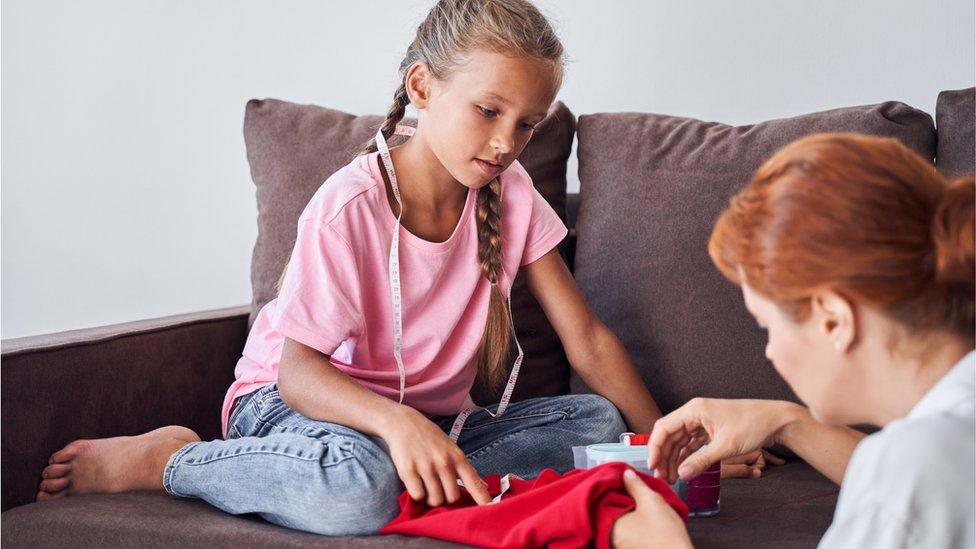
<point>393,117</point>
<point>497,337</point>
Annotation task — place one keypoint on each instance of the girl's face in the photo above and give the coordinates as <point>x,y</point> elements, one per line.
<point>806,356</point>
<point>478,120</point>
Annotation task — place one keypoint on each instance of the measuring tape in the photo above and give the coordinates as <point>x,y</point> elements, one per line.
<point>470,407</point>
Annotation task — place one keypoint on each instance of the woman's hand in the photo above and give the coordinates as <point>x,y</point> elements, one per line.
<point>652,524</point>
<point>428,462</point>
<point>729,427</point>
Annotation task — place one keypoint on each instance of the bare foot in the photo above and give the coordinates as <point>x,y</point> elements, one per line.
<point>116,464</point>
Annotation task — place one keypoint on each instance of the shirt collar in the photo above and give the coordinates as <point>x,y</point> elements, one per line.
<point>958,384</point>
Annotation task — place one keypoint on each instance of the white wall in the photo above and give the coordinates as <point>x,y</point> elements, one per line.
<point>125,189</point>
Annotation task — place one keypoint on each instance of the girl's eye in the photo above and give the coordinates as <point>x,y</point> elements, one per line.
<point>486,112</point>
<point>528,127</point>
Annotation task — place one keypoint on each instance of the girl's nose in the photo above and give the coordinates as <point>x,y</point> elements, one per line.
<point>504,144</point>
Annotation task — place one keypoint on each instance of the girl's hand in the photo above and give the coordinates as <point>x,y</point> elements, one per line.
<point>749,465</point>
<point>429,463</point>
<point>729,427</point>
<point>652,524</point>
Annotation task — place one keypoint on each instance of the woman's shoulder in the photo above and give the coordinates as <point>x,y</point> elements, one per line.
<point>341,192</point>
<point>913,460</point>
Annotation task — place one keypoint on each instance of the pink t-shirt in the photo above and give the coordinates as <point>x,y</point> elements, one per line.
<point>336,296</point>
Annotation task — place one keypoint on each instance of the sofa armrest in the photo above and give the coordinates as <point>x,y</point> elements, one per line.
<point>109,381</point>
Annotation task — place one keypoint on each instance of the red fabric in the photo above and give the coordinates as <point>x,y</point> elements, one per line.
<point>577,509</point>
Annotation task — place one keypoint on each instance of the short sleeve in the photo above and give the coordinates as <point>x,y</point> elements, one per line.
<point>546,230</point>
<point>317,302</point>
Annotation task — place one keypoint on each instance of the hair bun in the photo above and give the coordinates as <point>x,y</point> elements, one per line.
<point>954,234</point>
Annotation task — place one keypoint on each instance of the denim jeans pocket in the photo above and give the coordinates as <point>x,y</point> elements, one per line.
<point>242,403</point>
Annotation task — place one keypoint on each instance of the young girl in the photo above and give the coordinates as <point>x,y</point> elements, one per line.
<point>354,381</point>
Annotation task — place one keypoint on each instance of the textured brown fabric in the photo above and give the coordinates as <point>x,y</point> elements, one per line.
<point>119,380</point>
<point>955,121</point>
<point>651,187</point>
<point>790,506</point>
<point>156,519</point>
<point>293,148</point>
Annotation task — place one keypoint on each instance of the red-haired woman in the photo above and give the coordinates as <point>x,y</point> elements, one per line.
<point>858,258</point>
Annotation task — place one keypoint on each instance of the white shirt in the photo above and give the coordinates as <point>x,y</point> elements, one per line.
<point>911,484</point>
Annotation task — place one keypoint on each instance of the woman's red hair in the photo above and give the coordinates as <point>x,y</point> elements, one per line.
<point>863,216</point>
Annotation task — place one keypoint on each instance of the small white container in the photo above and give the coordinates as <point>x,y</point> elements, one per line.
<point>635,456</point>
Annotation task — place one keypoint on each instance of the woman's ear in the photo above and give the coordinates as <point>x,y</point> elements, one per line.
<point>834,315</point>
<point>418,80</point>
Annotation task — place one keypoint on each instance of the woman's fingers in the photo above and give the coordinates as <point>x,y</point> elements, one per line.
<point>697,462</point>
<point>641,493</point>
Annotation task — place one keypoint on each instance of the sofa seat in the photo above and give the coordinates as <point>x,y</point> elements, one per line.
<point>790,506</point>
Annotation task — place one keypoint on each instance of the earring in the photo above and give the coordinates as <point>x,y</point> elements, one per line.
<point>838,344</point>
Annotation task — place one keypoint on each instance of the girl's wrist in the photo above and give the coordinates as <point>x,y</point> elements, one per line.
<point>389,420</point>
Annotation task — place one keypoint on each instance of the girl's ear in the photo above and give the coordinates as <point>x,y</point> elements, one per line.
<point>834,315</point>
<point>418,79</point>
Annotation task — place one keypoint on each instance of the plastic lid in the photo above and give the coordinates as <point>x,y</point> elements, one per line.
<point>613,451</point>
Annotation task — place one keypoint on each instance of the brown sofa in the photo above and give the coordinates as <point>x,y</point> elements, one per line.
<point>650,189</point>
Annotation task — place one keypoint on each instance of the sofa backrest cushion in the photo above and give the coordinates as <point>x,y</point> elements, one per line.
<point>651,188</point>
<point>292,149</point>
<point>955,122</point>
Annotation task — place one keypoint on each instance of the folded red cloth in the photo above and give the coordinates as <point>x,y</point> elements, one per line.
<point>577,509</point>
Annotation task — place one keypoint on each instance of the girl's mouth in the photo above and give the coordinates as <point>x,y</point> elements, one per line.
<point>490,169</point>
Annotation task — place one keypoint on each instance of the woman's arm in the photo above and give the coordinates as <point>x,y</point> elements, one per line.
<point>827,448</point>
<point>734,427</point>
<point>592,349</point>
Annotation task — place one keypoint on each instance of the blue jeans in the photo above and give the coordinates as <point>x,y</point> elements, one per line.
<point>329,479</point>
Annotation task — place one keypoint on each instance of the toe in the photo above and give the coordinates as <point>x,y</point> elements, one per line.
<point>54,485</point>
<point>56,470</point>
<point>65,454</point>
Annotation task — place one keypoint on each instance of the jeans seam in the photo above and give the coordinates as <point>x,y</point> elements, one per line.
<point>171,466</point>
<point>496,442</point>
<point>507,417</point>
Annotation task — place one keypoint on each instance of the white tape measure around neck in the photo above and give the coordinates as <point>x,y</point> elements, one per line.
<point>394,263</point>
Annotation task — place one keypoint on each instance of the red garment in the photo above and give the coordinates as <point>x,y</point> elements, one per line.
<point>577,509</point>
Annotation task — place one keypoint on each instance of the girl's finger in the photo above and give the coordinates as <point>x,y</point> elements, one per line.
<point>773,459</point>
<point>449,478</point>
<point>414,485</point>
<point>476,487</point>
<point>740,471</point>
<point>432,485</point>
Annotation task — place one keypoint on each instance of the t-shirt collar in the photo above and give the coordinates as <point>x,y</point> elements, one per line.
<point>958,384</point>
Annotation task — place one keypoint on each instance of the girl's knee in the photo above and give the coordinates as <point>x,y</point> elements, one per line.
<point>355,496</point>
<point>599,419</point>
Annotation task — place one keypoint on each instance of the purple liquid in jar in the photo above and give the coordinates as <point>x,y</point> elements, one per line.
<point>702,493</point>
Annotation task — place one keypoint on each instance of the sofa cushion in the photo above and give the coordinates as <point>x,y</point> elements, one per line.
<point>293,148</point>
<point>955,122</point>
<point>651,187</point>
<point>789,506</point>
